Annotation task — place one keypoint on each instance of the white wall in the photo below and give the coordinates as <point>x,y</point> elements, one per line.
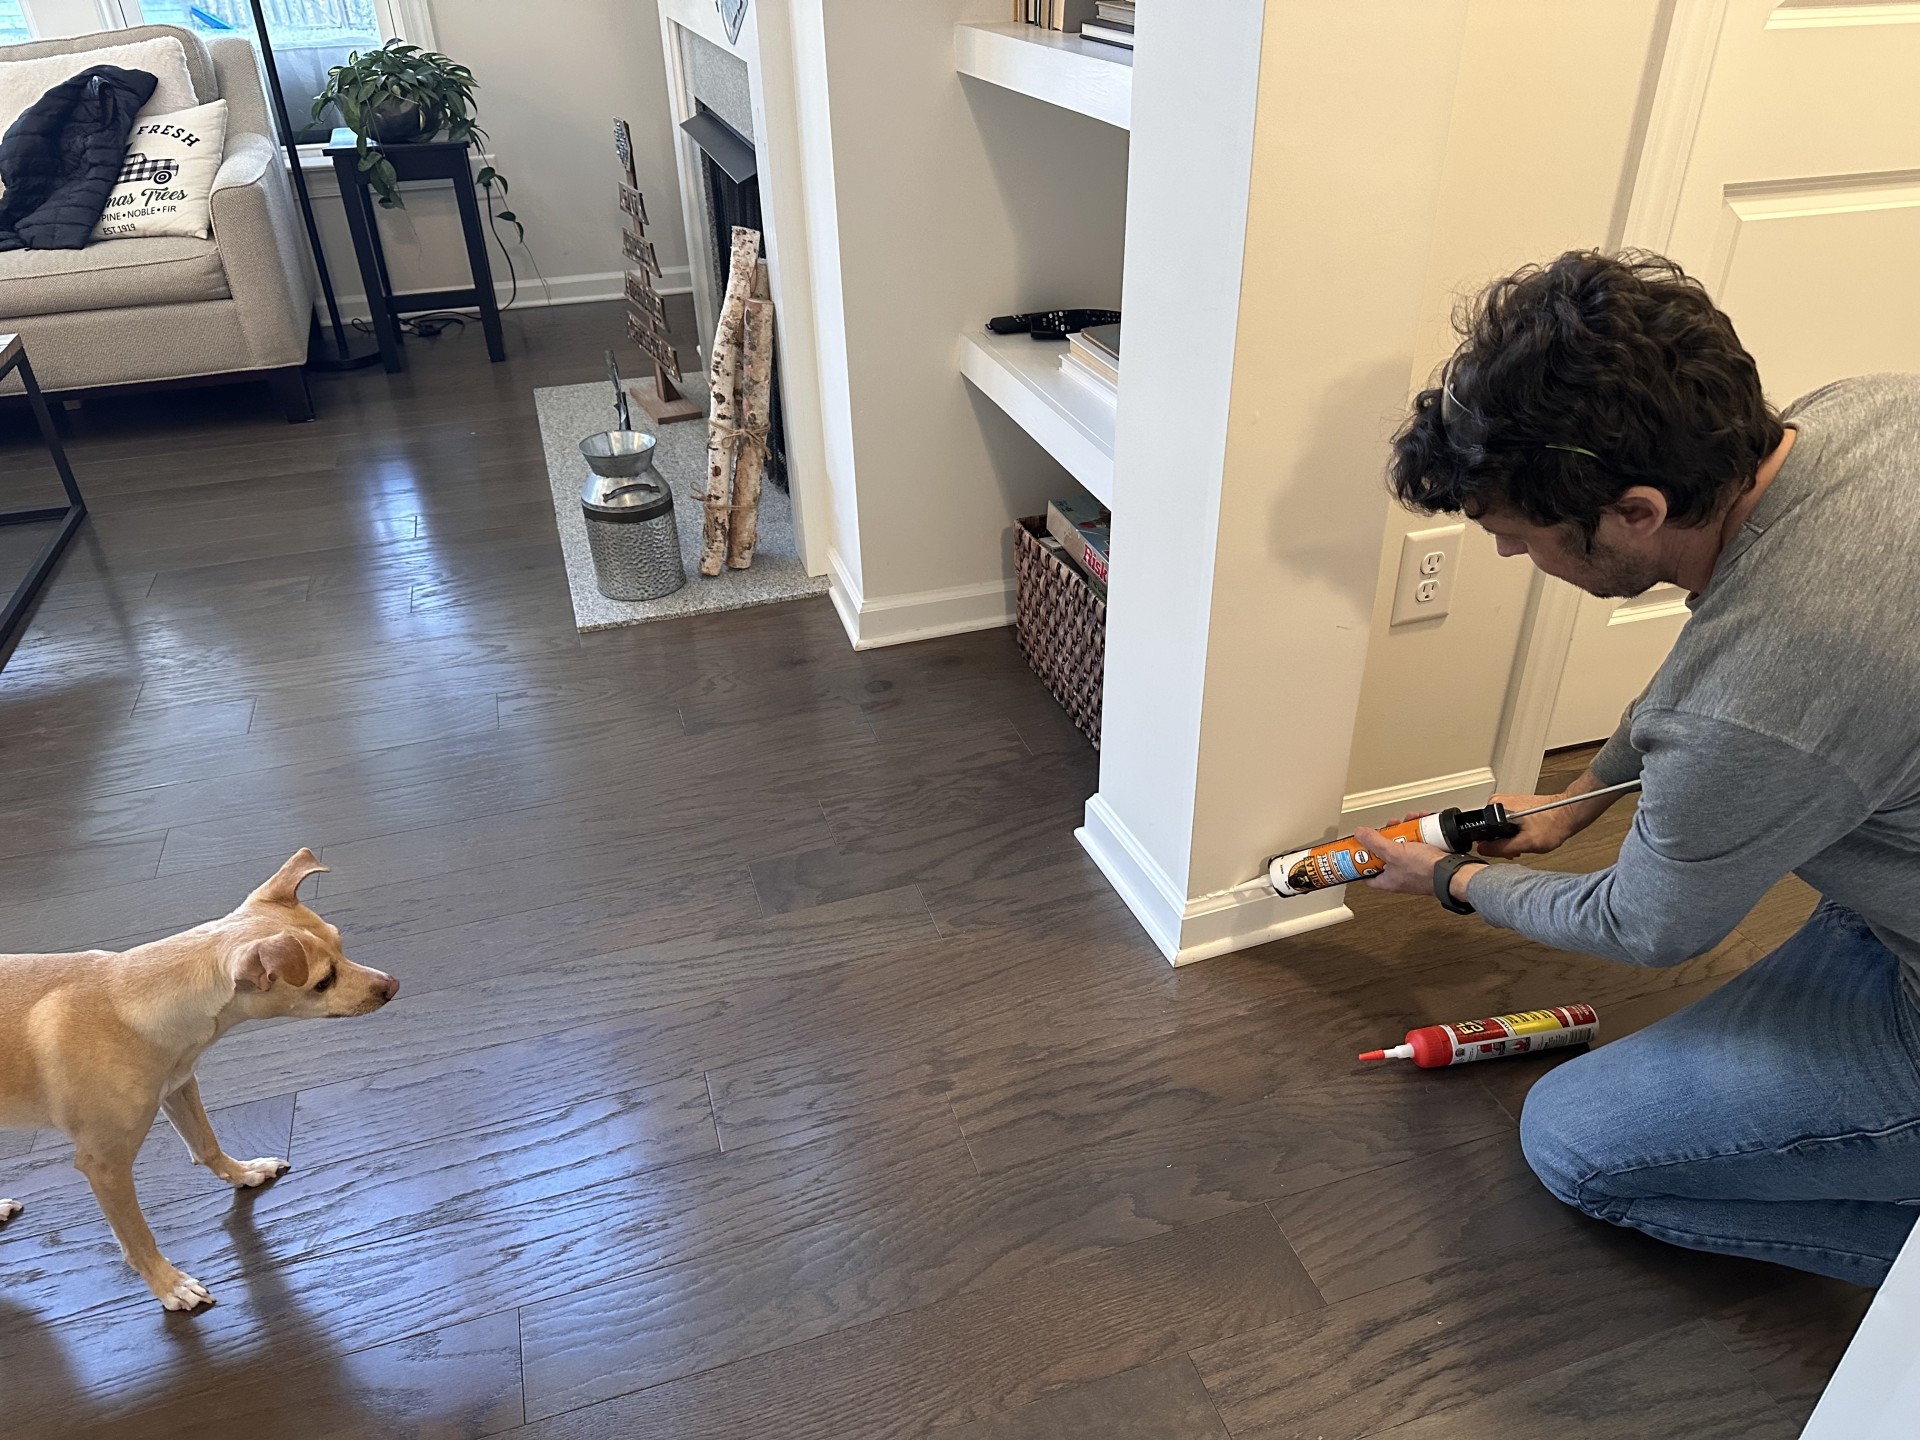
<point>1286,160</point>
<point>552,80</point>
<point>1540,156</point>
<point>955,201</point>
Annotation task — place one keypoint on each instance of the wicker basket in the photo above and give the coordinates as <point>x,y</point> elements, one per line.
<point>1061,626</point>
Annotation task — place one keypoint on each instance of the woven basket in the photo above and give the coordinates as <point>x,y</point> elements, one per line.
<point>1061,626</point>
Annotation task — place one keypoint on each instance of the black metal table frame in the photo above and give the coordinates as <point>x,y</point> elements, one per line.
<point>425,160</point>
<point>69,515</point>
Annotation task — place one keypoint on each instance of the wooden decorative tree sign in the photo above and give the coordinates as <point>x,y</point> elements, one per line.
<point>659,396</point>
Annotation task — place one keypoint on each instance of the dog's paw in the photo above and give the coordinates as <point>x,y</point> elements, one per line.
<point>246,1174</point>
<point>178,1290</point>
<point>9,1209</point>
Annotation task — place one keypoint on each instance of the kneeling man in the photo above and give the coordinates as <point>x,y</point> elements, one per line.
<point>1601,418</point>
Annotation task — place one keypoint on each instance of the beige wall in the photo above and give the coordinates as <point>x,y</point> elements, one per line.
<point>1540,154</point>
<point>552,79</point>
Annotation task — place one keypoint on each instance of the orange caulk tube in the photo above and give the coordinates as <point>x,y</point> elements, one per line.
<point>1432,1046</point>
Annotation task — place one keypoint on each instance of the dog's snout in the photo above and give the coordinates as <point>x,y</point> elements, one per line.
<point>388,987</point>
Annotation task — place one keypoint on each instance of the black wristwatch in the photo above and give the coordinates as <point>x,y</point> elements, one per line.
<point>1444,869</point>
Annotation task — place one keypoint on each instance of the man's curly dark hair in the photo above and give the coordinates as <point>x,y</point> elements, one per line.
<point>1577,379</point>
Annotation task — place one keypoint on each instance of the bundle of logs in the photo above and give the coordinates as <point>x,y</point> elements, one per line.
<point>741,378</point>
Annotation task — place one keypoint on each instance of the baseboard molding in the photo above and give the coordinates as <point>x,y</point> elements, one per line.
<point>1465,788</point>
<point>920,615</point>
<point>538,295</point>
<point>1187,930</point>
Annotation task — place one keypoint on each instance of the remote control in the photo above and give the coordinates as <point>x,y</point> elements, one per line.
<point>1051,324</point>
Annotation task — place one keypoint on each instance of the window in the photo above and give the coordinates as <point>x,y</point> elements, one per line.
<point>13,23</point>
<point>309,36</point>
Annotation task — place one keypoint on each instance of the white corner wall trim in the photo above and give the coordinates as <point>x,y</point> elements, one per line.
<point>1198,929</point>
<point>1465,788</point>
<point>918,615</point>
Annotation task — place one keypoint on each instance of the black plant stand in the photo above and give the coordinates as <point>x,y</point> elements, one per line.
<point>420,160</point>
<point>13,356</point>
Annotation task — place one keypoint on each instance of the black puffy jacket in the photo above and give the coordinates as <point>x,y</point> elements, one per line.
<point>61,158</point>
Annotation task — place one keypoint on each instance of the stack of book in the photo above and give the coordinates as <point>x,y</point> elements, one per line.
<point>1092,358</point>
<point>1054,14</point>
<point>1111,23</point>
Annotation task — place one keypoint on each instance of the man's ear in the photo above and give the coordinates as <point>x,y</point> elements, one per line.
<point>1641,508</point>
<point>279,957</point>
<point>284,887</point>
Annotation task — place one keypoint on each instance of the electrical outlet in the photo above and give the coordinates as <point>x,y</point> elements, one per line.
<point>1428,560</point>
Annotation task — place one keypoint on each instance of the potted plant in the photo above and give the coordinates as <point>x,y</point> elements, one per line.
<point>400,94</point>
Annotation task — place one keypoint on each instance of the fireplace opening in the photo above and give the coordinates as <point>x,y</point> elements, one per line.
<point>730,175</point>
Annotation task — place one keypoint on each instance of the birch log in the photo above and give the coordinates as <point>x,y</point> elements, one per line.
<point>755,403</point>
<point>723,418</point>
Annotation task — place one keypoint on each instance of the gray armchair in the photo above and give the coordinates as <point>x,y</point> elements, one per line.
<point>172,310</point>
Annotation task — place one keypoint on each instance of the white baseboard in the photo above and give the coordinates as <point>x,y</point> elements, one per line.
<point>1186,929</point>
<point>538,295</point>
<point>919,615</point>
<point>1465,788</point>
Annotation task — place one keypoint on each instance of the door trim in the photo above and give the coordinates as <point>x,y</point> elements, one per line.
<point>1679,99</point>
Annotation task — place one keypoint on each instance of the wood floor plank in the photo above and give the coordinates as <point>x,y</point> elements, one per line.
<point>983,1352</point>
<point>657,1325</point>
<point>565,995</point>
<point>1399,1223</point>
<point>392,1284</point>
<point>1682,1375</point>
<point>57,1196</point>
<point>1162,1401</point>
<point>1460,1333</point>
<point>284,1380</point>
<point>1791,1336</point>
<point>597,1148</point>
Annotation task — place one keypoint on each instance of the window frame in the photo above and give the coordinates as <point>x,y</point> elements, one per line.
<point>408,20</point>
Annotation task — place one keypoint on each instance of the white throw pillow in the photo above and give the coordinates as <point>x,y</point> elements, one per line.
<point>24,81</point>
<point>166,186</point>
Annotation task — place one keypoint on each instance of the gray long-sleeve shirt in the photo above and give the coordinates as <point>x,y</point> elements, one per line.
<point>1782,734</point>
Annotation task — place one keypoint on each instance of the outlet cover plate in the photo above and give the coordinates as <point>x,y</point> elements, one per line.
<point>1429,566</point>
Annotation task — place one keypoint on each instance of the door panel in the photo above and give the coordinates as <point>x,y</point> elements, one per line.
<point>1800,211</point>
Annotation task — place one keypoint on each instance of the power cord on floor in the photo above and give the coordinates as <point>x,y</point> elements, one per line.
<point>430,326</point>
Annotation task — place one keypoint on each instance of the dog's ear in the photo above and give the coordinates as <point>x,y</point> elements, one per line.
<point>284,887</point>
<point>278,957</point>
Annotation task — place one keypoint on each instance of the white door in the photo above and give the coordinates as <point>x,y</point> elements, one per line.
<point>1782,168</point>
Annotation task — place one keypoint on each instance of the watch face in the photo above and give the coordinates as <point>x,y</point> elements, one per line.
<point>734,13</point>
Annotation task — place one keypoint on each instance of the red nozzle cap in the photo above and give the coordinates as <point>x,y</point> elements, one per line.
<point>1373,1055</point>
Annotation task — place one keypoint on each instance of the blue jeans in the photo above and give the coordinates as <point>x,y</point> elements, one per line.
<point>1778,1118</point>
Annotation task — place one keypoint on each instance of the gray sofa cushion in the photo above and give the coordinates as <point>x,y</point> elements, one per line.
<point>109,274</point>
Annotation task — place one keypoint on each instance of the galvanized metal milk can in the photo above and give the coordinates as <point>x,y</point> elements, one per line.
<point>629,513</point>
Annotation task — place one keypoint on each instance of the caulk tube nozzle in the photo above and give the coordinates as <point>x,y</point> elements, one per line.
<point>1397,1052</point>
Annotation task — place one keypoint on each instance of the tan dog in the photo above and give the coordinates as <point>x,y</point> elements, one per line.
<point>95,1043</point>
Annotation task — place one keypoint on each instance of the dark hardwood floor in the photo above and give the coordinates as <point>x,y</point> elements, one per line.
<point>770,1061</point>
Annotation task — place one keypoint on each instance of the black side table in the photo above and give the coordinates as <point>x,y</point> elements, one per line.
<point>13,356</point>
<point>423,160</point>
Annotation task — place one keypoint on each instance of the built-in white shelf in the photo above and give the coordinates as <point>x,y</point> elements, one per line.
<point>1072,424</point>
<point>1050,65</point>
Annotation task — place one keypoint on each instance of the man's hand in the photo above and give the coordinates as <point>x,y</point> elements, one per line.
<point>1410,865</point>
<point>1541,833</point>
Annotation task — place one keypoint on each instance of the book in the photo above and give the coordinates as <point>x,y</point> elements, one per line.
<point>1054,14</point>
<point>1083,529</point>
<point>1121,10</point>
<point>1101,341</point>
<point>1099,386</point>
<point>1059,552</point>
<point>1108,33</point>
<point>1091,365</point>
